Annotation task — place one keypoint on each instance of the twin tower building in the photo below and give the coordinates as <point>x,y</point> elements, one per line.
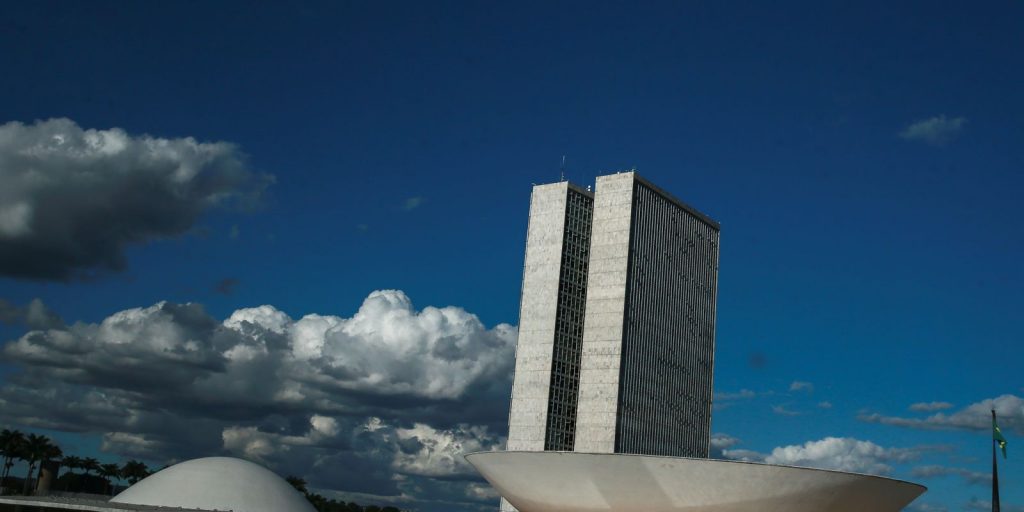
<point>617,322</point>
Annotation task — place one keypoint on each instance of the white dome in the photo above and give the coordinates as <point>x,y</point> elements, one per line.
<point>217,483</point>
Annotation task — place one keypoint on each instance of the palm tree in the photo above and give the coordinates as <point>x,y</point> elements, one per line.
<point>10,446</point>
<point>133,471</point>
<point>36,448</point>
<point>51,452</point>
<point>298,483</point>
<point>90,464</point>
<point>72,463</point>
<point>109,471</point>
<point>7,469</point>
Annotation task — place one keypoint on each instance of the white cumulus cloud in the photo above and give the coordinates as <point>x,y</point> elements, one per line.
<point>72,199</point>
<point>720,443</point>
<point>437,352</point>
<point>431,452</point>
<point>841,453</point>
<point>382,401</point>
<point>252,443</point>
<point>936,131</point>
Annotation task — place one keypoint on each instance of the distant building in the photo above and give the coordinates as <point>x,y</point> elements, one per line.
<point>617,322</point>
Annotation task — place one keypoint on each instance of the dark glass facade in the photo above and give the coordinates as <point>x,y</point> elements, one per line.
<point>572,297</point>
<point>669,329</point>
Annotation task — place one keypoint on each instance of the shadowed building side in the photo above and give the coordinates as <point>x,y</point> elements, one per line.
<point>649,335</point>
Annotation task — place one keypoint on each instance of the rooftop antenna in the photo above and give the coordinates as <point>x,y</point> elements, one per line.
<point>562,175</point>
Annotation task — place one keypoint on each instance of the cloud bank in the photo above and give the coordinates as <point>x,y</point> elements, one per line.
<point>840,453</point>
<point>382,402</point>
<point>971,477</point>
<point>976,417</point>
<point>721,442</point>
<point>34,315</point>
<point>74,198</point>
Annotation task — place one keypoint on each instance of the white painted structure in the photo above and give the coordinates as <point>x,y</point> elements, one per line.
<point>590,482</point>
<point>216,483</point>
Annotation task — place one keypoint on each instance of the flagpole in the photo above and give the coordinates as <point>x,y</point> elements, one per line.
<point>995,471</point>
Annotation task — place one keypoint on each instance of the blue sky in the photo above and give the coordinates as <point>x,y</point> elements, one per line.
<point>864,160</point>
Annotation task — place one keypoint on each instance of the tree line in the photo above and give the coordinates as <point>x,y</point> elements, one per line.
<point>322,504</point>
<point>36,450</point>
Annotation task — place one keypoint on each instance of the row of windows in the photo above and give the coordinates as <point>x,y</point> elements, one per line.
<point>576,224</point>
<point>564,395</point>
<point>570,369</point>
<point>572,292</point>
<point>575,277</point>
<point>668,338</point>
<point>570,289</point>
<point>561,439</point>
<point>563,381</point>
<point>570,329</point>
<point>566,359</point>
<point>573,303</point>
<point>566,416</point>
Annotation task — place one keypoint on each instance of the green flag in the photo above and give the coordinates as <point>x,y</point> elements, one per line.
<point>997,436</point>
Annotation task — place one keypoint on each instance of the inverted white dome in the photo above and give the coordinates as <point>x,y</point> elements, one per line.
<point>217,483</point>
<point>612,482</point>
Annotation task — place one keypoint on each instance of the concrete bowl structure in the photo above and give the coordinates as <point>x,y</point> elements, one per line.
<point>216,483</point>
<point>589,482</point>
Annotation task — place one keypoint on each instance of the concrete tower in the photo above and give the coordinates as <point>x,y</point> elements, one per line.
<point>649,333</point>
<point>544,392</point>
<point>617,322</point>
